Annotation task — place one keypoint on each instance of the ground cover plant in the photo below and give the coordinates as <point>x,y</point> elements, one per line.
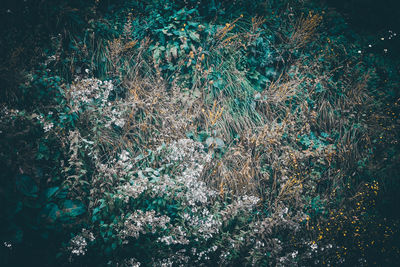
<point>210,133</point>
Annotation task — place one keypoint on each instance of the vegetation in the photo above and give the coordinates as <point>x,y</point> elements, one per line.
<point>212,133</point>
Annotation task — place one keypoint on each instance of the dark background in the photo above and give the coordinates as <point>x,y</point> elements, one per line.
<point>370,15</point>
<point>372,19</point>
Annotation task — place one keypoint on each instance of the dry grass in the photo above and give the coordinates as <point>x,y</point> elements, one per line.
<point>268,159</point>
<point>304,30</point>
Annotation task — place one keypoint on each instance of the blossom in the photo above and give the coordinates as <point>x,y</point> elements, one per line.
<point>313,246</point>
<point>77,245</point>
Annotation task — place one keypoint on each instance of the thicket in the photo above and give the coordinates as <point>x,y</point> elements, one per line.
<point>213,133</point>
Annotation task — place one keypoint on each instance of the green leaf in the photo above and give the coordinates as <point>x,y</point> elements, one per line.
<point>73,208</point>
<point>324,135</point>
<point>209,141</point>
<point>190,135</point>
<point>174,51</point>
<point>215,142</point>
<point>219,142</point>
<point>194,36</point>
<point>157,55</point>
<point>50,212</point>
<point>26,185</point>
<point>50,192</point>
<point>202,136</point>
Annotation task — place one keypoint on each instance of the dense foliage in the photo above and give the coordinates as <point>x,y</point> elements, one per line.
<point>212,133</point>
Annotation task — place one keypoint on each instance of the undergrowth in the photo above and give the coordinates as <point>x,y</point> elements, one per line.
<point>212,133</point>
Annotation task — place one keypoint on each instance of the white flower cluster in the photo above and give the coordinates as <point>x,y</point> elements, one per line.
<point>197,191</point>
<point>248,202</point>
<point>133,190</point>
<point>78,244</point>
<point>204,254</point>
<point>176,236</point>
<point>143,222</point>
<point>244,203</point>
<point>179,258</point>
<point>115,117</point>
<point>192,158</point>
<point>47,126</point>
<point>5,112</point>
<point>188,151</point>
<point>163,186</point>
<point>7,244</point>
<point>106,176</point>
<point>89,90</point>
<point>187,186</point>
<point>94,93</point>
<point>132,262</point>
<point>124,163</point>
<point>314,246</point>
<point>206,224</point>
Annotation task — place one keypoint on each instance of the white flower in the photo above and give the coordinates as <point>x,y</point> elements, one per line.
<point>294,254</point>
<point>314,246</point>
<point>47,126</point>
<point>124,156</point>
